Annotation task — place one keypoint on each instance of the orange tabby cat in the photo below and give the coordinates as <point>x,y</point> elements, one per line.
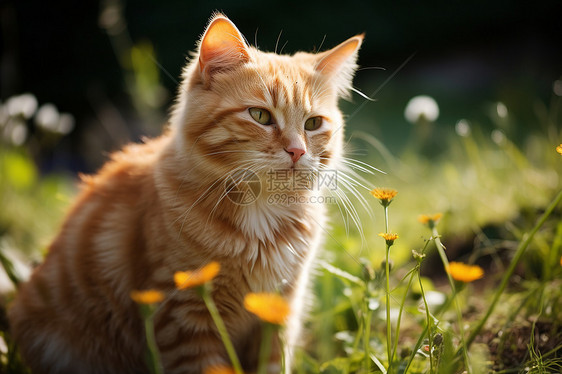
<point>177,203</point>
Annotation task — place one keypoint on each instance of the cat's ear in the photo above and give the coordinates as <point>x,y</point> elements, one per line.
<point>339,63</point>
<point>222,47</point>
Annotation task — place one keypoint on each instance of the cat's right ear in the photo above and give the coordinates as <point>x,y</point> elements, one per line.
<point>339,64</point>
<point>222,47</point>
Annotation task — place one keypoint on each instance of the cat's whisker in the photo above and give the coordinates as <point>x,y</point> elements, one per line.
<point>256,38</point>
<point>339,204</point>
<point>204,195</point>
<point>346,213</point>
<point>372,68</point>
<point>354,215</point>
<point>262,80</point>
<point>278,38</point>
<point>349,184</point>
<point>232,151</point>
<point>224,194</point>
<point>343,171</point>
<point>284,45</point>
<point>292,250</point>
<point>355,180</point>
<point>321,43</point>
<point>357,91</point>
<point>232,165</point>
<point>337,198</point>
<point>354,177</point>
<point>249,166</point>
<point>352,167</point>
<point>193,147</point>
<point>354,162</point>
<point>186,213</point>
<point>319,93</point>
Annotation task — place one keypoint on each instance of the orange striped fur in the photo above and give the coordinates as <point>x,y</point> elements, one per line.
<point>164,206</point>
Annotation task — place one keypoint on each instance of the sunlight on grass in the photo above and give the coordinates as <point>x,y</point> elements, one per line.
<point>492,193</point>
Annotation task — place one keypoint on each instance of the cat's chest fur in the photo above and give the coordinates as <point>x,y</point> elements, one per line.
<point>265,243</point>
<point>277,241</point>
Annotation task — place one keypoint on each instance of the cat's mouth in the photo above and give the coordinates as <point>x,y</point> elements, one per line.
<point>304,162</point>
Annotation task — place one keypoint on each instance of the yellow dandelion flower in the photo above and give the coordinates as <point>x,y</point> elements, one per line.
<point>147,296</point>
<point>385,195</point>
<point>430,219</point>
<point>426,218</point>
<point>465,273</point>
<point>219,369</point>
<point>559,149</point>
<point>188,279</point>
<point>269,307</point>
<point>390,238</point>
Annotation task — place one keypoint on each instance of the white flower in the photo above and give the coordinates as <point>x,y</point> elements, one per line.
<point>48,117</point>
<point>422,106</point>
<point>462,128</point>
<point>66,123</point>
<point>501,109</point>
<point>498,137</point>
<point>557,87</point>
<point>19,132</point>
<point>24,105</point>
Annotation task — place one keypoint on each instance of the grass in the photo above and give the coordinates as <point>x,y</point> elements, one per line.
<point>484,187</point>
<point>391,306</point>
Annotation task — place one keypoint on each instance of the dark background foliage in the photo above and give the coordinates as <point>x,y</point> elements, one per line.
<point>462,53</point>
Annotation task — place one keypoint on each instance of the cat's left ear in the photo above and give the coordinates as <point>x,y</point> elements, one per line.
<point>339,63</point>
<point>222,47</point>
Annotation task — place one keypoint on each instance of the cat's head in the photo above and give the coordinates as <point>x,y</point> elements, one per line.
<point>240,108</point>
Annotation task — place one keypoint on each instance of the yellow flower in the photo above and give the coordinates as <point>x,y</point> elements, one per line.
<point>390,238</point>
<point>465,273</point>
<point>188,279</point>
<point>559,149</point>
<point>269,307</point>
<point>147,296</point>
<point>430,219</point>
<point>219,369</point>
<point>385,195</point>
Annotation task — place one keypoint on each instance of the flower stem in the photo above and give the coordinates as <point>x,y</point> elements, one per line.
<point>441,251</point>
<point>386,219</point>
<point>429,321</point>
<point>265,349</point>
<point>367,333</point>
<point>418,344</point>
<point>509,272</point>
<point>153,353</point>
<point>211,306</point>
<point>397,333</point>
<point>388,325</point>
<point>387,275</point>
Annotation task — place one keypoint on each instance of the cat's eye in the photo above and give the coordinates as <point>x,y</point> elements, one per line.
<point>313,123</point>
<point>261,116</point>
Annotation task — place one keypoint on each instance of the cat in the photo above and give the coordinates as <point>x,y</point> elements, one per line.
<point>242,118</point>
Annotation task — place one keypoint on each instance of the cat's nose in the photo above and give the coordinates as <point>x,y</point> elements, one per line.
<point>295,153</point>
